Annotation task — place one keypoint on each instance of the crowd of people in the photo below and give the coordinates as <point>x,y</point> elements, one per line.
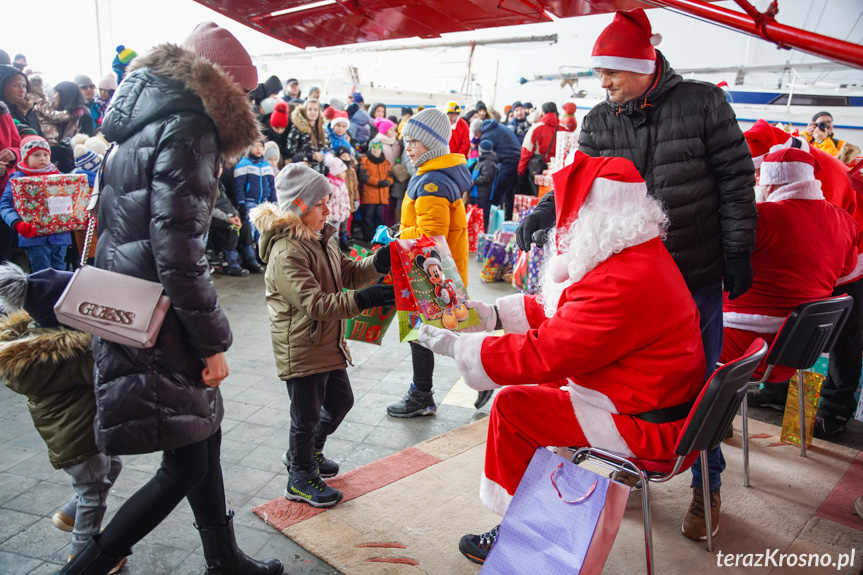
<point>675,240</point>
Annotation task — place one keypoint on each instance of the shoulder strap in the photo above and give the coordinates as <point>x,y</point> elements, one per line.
<point>93,207</point>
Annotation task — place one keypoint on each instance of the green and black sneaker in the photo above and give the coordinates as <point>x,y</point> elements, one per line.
<point>326,467</point>
<point>312,490</point>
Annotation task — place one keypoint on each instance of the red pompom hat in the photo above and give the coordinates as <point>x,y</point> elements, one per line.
<point>626,44</point>
<point>279,116</point>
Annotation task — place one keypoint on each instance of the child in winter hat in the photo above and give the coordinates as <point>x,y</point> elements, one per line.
<point>53,367</point>
<point>432,129</point>
<point>122,60</point>
<point>43,251</point>
<point>272,156</point>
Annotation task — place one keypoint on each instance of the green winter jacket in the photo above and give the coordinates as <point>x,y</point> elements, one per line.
<point>53,367</point>
<point>307,305</point>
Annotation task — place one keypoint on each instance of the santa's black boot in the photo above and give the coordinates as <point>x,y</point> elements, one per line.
<point>223,557</point>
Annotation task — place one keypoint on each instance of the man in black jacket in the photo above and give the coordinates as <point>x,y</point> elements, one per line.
<point>684,139</point>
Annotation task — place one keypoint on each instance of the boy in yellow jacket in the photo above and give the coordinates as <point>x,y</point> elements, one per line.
<point>432,207</point>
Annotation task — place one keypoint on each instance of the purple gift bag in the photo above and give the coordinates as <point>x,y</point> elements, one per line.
<point>562,519</point>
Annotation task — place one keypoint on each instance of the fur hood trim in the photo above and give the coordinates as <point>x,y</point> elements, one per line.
<point>268,218</point>
<point>223,99</point>
<point>299,119</point>
<point>23,346</point>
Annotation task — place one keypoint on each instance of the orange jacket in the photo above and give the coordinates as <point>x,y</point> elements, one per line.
<point>374,173</point>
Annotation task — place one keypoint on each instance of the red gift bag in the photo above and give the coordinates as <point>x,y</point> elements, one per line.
<point>475,226</point>
<point>52,204</point>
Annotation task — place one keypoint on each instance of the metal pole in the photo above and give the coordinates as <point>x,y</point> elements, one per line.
<point>708,501</point>
<point>743,408</point>
<point>823,46</point>
<point>802,403</point>
<point>99,39</point>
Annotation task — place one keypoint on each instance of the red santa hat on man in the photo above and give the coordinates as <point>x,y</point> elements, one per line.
<point>626,44</point>
<point>764,138</point>
<point>787,166</point>
<point>608,186</point>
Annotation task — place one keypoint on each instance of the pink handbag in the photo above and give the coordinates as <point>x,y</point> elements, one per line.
<point>116,307</point>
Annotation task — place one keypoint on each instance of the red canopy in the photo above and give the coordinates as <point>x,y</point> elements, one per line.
<point>324,23</point>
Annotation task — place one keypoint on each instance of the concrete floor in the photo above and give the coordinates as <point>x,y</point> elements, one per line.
<point>255,436</point>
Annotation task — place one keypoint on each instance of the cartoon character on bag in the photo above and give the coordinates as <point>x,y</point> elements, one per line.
<point>444,289</point>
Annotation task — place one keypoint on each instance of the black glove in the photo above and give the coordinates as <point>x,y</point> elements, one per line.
<point>541,219</point>
<point>244,212</point>
<point>375,296</point>
<point>384,183</point>
<point>738,274</point>
<point>383,262</point>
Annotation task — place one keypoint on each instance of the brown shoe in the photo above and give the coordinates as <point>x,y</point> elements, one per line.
<point>693,523</point>
<point>63,522</point>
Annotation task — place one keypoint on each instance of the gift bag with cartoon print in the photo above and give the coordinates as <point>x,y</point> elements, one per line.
<point>428,287</point>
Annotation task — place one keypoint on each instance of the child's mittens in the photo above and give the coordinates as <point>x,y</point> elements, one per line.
<point>383,260</point>
<point>24,229</point>
<point>384,183</point>
<point>375,296</point>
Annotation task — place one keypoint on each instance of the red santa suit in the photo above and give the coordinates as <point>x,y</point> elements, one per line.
<point>623,340</point>
<point>804,246</point>
<point>459,143</point>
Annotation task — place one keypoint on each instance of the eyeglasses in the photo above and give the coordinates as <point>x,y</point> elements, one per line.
<point>88,87</point>
<point>409,143</point>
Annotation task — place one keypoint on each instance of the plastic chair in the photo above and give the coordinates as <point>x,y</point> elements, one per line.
<point>703,430</point>
<point>810,330</point>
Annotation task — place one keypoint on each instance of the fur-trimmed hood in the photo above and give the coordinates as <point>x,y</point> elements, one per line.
<point>24,345</point>
<point>275,224</point>
<point>169,80</point>
<point>299,119</point>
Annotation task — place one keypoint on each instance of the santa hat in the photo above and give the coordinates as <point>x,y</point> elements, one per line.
<point>787,166</point>
<point>764,138</point>
<point>383,125</point>
<point>340,118</point>
<point>30,144</point>
<point>626,44</point>
<point>279,115</point>
<point>610,184</point>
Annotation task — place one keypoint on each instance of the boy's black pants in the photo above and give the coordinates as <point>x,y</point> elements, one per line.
<point>319,403</point>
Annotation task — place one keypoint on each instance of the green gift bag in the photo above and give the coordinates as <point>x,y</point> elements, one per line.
<point>371,325</point>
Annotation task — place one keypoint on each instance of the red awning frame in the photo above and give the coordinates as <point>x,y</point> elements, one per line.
<point>342,22</point>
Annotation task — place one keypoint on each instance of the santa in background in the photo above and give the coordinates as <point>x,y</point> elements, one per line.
<point>844,369</point>
<point>804,247</point>
<point>614,337</point>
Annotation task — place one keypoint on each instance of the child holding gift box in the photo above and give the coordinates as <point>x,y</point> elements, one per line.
<point>432,207</point>
<point>47,251</point>
<point>308,308</point>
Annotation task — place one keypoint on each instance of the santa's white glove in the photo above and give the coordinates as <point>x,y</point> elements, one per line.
<point>487,316</point>
<point>440,341</point>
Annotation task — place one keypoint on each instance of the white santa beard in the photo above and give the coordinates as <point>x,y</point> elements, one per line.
<point>593,238</point>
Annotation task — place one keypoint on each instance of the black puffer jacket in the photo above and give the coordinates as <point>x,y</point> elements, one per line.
<point>172,118</point>
<point>684,140</point>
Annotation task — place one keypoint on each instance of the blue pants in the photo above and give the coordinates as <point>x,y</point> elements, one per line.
<point>504,188</point>
<point>46,256</point>
<point>708,300</point>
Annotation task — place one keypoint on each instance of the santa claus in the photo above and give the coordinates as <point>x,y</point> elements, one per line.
<point>614,337</point>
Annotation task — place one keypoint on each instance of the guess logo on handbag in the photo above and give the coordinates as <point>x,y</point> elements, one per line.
<point>106,313</point>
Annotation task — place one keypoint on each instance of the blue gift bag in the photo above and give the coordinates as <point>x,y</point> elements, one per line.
<point>562,519</point>
<point>495,219</point>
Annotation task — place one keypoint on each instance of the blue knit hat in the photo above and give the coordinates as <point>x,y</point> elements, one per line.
<point>432,128</point>
<point>517,104</point>
<point>486,146</point>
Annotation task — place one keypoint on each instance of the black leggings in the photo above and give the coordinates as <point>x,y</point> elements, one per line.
<point>193,472</point>
<point>423,363</point>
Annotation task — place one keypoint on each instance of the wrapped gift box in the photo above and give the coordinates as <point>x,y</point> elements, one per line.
<point>52,204</point>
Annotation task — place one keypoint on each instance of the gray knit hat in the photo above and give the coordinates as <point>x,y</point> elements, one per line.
<point>433,129</point>
<point>299,188</point>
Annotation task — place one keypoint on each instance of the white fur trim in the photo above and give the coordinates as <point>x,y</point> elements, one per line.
<point>655,39</point>
<point>786,173</point>
<point>592,397</point>
<point>512,313</point>
<point>468,359</point>
<point>598,425</point>
<point>854,275</point>
<point>797,191</point>
<point>613,197</point>
<point>636,65</point>
<point>752,322</point>
<point>494,496</point>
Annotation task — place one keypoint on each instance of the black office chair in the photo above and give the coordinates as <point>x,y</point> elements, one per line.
<point>810,330</point>
<point>704,429</point>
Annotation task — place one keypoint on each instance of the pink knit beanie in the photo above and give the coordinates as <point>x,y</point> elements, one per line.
<point>220,47</point>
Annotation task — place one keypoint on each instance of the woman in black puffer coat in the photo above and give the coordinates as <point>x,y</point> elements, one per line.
<point>173,117</point>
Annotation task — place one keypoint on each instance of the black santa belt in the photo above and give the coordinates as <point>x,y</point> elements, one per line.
<point>667,414</point>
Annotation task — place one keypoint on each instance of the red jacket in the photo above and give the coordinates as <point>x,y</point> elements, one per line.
<point>624,339</point>
<point>9,139</point>
<point>538,140</point>
<point>460,141</point>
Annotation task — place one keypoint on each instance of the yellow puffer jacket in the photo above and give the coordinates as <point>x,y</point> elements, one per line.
<point>433,206</point>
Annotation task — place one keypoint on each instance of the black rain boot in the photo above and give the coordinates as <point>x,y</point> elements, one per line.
<point>91,561</point>
<point>223,557</point>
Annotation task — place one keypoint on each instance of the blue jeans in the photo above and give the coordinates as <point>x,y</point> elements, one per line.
<point>708,300</point>
<point>92,480</point>
<point>46,256</point>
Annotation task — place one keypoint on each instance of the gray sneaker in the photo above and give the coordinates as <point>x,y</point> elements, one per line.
<point>413,404</point>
